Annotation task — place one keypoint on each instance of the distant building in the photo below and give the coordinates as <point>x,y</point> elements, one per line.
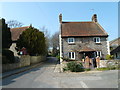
<point>114,43</point>
<point>80,39</point>
<point>15,34</point>
<point>115,48</point>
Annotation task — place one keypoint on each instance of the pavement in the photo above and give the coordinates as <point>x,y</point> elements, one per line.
<point>47,75</point>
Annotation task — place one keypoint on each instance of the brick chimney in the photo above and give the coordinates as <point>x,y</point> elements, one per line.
<point>60,18</point>
<point>94,18</point>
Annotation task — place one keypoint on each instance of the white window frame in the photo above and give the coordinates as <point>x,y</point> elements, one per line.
<point>97,39</point>
<point>98,53</point>
<point>71,55</point>
<point>69,40</point>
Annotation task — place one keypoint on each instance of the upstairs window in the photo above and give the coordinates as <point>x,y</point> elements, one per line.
<point>71,55</point>
<point>71,40</point>
<point>97,39</point>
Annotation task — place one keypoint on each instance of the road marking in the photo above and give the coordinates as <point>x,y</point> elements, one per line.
<point>83,84</point>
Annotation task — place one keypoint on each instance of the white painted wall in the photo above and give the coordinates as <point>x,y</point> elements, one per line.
<point>12,48</point>
<point>108,47</point>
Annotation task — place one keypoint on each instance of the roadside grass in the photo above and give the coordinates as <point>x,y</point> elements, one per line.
<point>108,68</point>
<point>102,69</point>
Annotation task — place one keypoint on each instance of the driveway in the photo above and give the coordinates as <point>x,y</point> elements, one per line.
<point>45,76</point>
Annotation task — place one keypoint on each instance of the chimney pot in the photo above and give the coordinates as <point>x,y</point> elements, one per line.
<point>94,18</point>
<point>60,18</point>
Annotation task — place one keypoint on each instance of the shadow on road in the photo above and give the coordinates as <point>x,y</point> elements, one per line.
<point>51,61</point>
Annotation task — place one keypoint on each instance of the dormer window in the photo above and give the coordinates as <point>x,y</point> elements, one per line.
<point>97,39</point>
<point>71,40</point>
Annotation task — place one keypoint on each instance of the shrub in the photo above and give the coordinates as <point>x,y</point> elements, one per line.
<point>7,57</point>
<point>58,57</point>
<point>109,57</point>
<point>6,35</point>
<point>68,59</point>
<point>65,69</point>
<point>75,67</point>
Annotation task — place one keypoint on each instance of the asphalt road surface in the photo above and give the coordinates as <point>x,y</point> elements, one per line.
<point>45,77</point>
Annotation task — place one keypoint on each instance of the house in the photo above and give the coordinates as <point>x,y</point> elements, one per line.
<point>115,48</point>
<point>15,33</point>
<point>114,43</point>
<point>81,39</point>
<point>116,52</point>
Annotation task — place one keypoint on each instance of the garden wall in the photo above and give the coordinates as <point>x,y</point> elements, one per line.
<point>105,63</point>
<point>25,60</point>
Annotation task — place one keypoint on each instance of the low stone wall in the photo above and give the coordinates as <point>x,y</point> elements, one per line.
<point>36,59</point>
<point>25,60</point>
<point>105,63</point>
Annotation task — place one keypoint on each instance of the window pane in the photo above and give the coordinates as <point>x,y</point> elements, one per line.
<point>97,39</point>
<point>70,39</point>
<point>94,39</point>
<point>96,54</point>
<point>99,53</point>
<point>69,54</point>
<point>72,54</point>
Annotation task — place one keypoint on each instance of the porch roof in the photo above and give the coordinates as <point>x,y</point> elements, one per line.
<point>87,49</point>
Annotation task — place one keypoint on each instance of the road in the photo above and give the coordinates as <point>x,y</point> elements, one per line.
<point>45,77</point>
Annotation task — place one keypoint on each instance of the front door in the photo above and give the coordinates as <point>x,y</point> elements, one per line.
<point>91,55</point>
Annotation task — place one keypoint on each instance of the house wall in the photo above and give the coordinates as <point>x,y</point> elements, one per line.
<point>12,48</point>
<point>84,41</point>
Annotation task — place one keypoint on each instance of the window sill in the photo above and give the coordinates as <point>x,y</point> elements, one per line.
<point>71,43</point>
<point>98,43</point>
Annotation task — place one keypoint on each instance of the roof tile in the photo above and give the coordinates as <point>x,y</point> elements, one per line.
<point>82,29</point>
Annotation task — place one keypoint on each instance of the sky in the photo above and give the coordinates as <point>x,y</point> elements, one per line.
<point>46,14</point>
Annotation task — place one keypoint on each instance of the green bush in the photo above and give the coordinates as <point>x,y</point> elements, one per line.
<point>75,67</point>
<point>68,59</point>
<point>7,57</point>
<point>65,69</point>
<point>109,57</point>
<point>58,57</point>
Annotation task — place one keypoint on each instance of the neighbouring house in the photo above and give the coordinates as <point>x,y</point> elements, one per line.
<point>114,43</point>
<point>115,48</point>
<point>116,52</point>
<point>15,33</point>
<point>81,39</point>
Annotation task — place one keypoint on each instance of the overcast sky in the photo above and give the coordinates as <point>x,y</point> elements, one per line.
<point>46,14</point>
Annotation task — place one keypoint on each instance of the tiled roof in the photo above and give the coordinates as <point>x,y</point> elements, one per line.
<point>115,42</point>
<point>87,49</point>
<point>15,32</point>
<point>82,29</point>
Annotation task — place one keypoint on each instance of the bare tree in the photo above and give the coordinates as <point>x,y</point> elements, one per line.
<point>47,36</point>
<point>14,24</point>
<point>55,43</point>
